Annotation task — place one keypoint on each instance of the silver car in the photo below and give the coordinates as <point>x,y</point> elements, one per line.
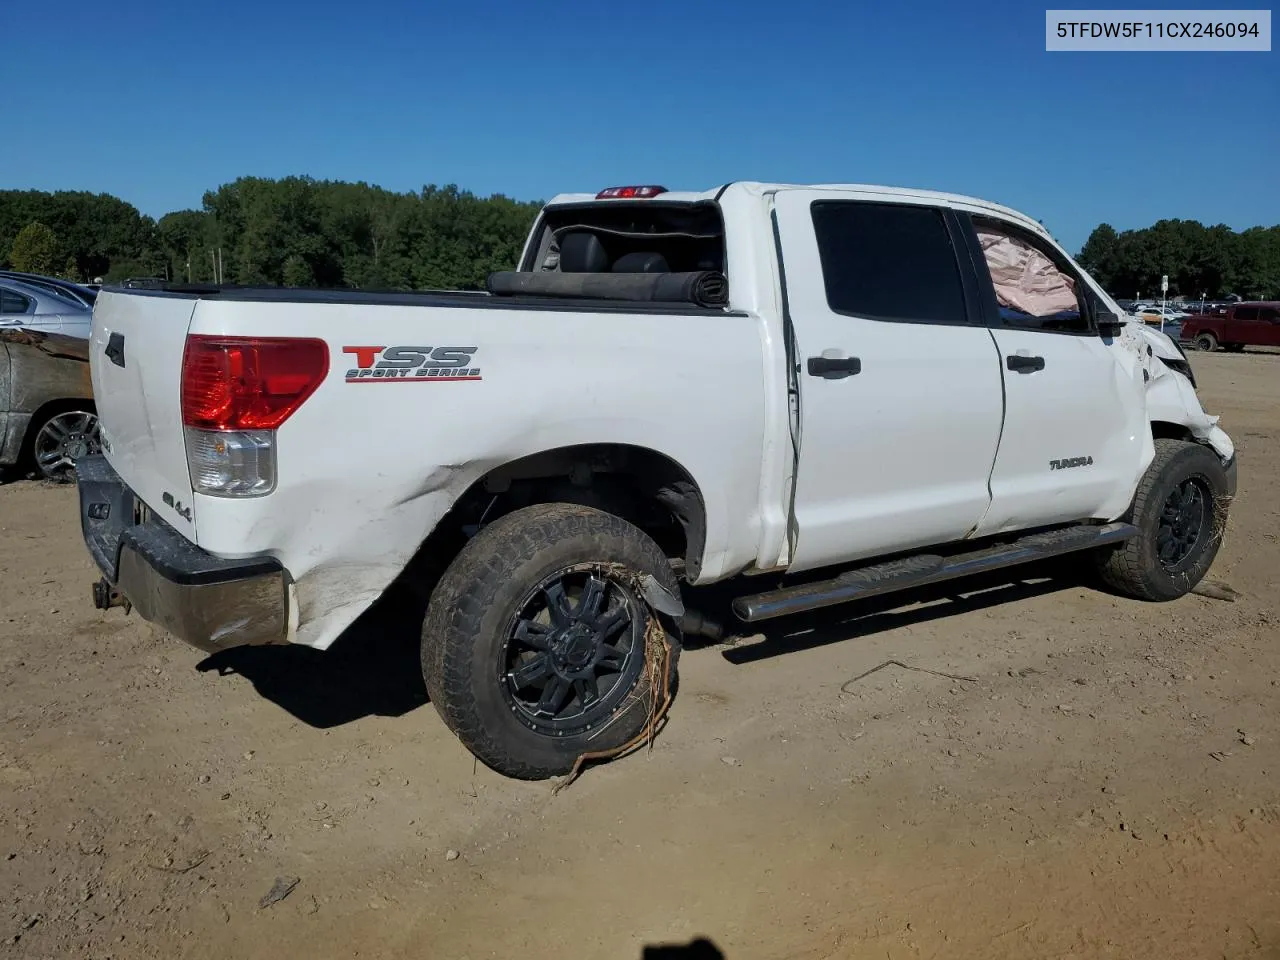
<point>47,417</point>
<point>38,308</point>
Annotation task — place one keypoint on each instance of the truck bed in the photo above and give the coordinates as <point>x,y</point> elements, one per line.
<point>463,299</point>
<point>364,476</point>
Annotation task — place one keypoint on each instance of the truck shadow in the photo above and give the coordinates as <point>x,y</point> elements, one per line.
<point>878,614</point>
<point>373,668</point>
<point>697,949</point>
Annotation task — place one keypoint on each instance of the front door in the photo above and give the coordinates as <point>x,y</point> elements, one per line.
<point>900,393</point>
<point>1075,429</point>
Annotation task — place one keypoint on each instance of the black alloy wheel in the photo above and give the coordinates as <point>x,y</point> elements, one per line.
<point>1184,522</point>
<point>573,652</point>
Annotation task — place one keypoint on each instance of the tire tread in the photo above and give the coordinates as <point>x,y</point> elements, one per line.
<point>465,594</point>
<point>1126,568</point>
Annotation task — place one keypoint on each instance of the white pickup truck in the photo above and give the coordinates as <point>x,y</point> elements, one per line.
<point>877,388</point>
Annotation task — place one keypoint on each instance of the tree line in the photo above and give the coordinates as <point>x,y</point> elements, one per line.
<point>295,231</point>
<point>298,231</point>
<point>1200,261</point>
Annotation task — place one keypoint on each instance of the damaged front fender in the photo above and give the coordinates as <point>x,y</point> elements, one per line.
<point>1171,395</point>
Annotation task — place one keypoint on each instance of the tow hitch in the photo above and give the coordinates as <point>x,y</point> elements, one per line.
<point>105,596</point>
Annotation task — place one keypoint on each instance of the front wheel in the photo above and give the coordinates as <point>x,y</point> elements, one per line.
<point>1180,510</point>
<point>538,645</point>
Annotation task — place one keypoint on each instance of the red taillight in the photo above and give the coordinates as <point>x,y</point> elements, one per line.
<point>623,193</point>
<point>248,383</point>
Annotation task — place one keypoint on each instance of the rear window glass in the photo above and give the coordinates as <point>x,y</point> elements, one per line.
<point>888,262</point>
<point>647,236</point>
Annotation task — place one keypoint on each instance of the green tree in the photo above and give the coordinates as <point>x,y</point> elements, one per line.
<point>297,272</point>
<point>35,249</point>
<point>1098,255</point>
<point>1199,260</point>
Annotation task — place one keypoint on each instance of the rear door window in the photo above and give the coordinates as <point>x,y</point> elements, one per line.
<point>12,302</point>
<point>887,261</point>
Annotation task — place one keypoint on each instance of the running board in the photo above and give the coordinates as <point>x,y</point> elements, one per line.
<point>924,569</point>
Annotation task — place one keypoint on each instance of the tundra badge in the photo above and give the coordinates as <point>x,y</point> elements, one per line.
<point>1070,462</point>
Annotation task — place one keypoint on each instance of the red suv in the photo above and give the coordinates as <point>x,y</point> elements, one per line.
<point>1240,325</point>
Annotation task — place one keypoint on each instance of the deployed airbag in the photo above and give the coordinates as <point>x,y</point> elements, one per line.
<point>705,288</point>
<point>1025,279</point>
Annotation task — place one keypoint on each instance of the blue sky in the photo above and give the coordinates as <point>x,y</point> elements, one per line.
<point>531,99</point>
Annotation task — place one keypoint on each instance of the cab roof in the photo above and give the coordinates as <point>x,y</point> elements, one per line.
<point>760,189</point>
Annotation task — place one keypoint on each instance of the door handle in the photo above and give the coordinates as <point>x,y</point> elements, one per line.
<point>834,368</point>
<point>1023,364</point>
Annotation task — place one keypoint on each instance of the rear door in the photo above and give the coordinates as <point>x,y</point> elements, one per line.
<point>1075,428</point>
<point>900,394</point>
<point>16,309</point>
<point>135,354</point>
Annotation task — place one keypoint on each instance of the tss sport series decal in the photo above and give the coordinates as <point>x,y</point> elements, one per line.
<point>412,364</point>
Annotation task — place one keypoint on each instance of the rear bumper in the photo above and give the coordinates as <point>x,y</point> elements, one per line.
<point>210,603</point>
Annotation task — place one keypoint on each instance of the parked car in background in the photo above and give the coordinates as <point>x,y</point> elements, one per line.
<point>73,291</point>
<point>1238,326</point>
<point>35,308</point>
<point>1209,308</point>
<point>48,420</point>
<point>1157,315</point>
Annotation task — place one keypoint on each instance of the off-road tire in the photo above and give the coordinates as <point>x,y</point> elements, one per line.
<point>1206,342</point>
<point>1133,568</point>
<point>472,609</point>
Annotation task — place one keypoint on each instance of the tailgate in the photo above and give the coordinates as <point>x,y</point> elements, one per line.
<point>136,359</point>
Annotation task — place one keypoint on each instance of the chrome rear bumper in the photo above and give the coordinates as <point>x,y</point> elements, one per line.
<point>209,602</point>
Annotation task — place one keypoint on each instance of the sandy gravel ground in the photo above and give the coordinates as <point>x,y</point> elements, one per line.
<point>1107,784</point>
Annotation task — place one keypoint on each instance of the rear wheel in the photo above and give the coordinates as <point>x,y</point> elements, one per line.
<point>61,439</point>
<point>537,647</point>
<point>1180,510</point>
<point>1207,342</point>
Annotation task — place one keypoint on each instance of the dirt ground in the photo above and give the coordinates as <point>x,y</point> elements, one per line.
<point>1107,783</point>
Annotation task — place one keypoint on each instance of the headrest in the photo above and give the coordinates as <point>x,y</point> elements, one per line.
<point>582,252</point>
<point>641,263</point>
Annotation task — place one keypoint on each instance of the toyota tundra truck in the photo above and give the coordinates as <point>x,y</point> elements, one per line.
<point>823,393</point>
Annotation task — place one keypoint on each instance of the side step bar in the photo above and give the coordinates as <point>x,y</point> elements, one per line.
<point>923,569</point>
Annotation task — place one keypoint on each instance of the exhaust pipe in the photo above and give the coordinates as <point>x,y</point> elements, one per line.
<point>695,624</point>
